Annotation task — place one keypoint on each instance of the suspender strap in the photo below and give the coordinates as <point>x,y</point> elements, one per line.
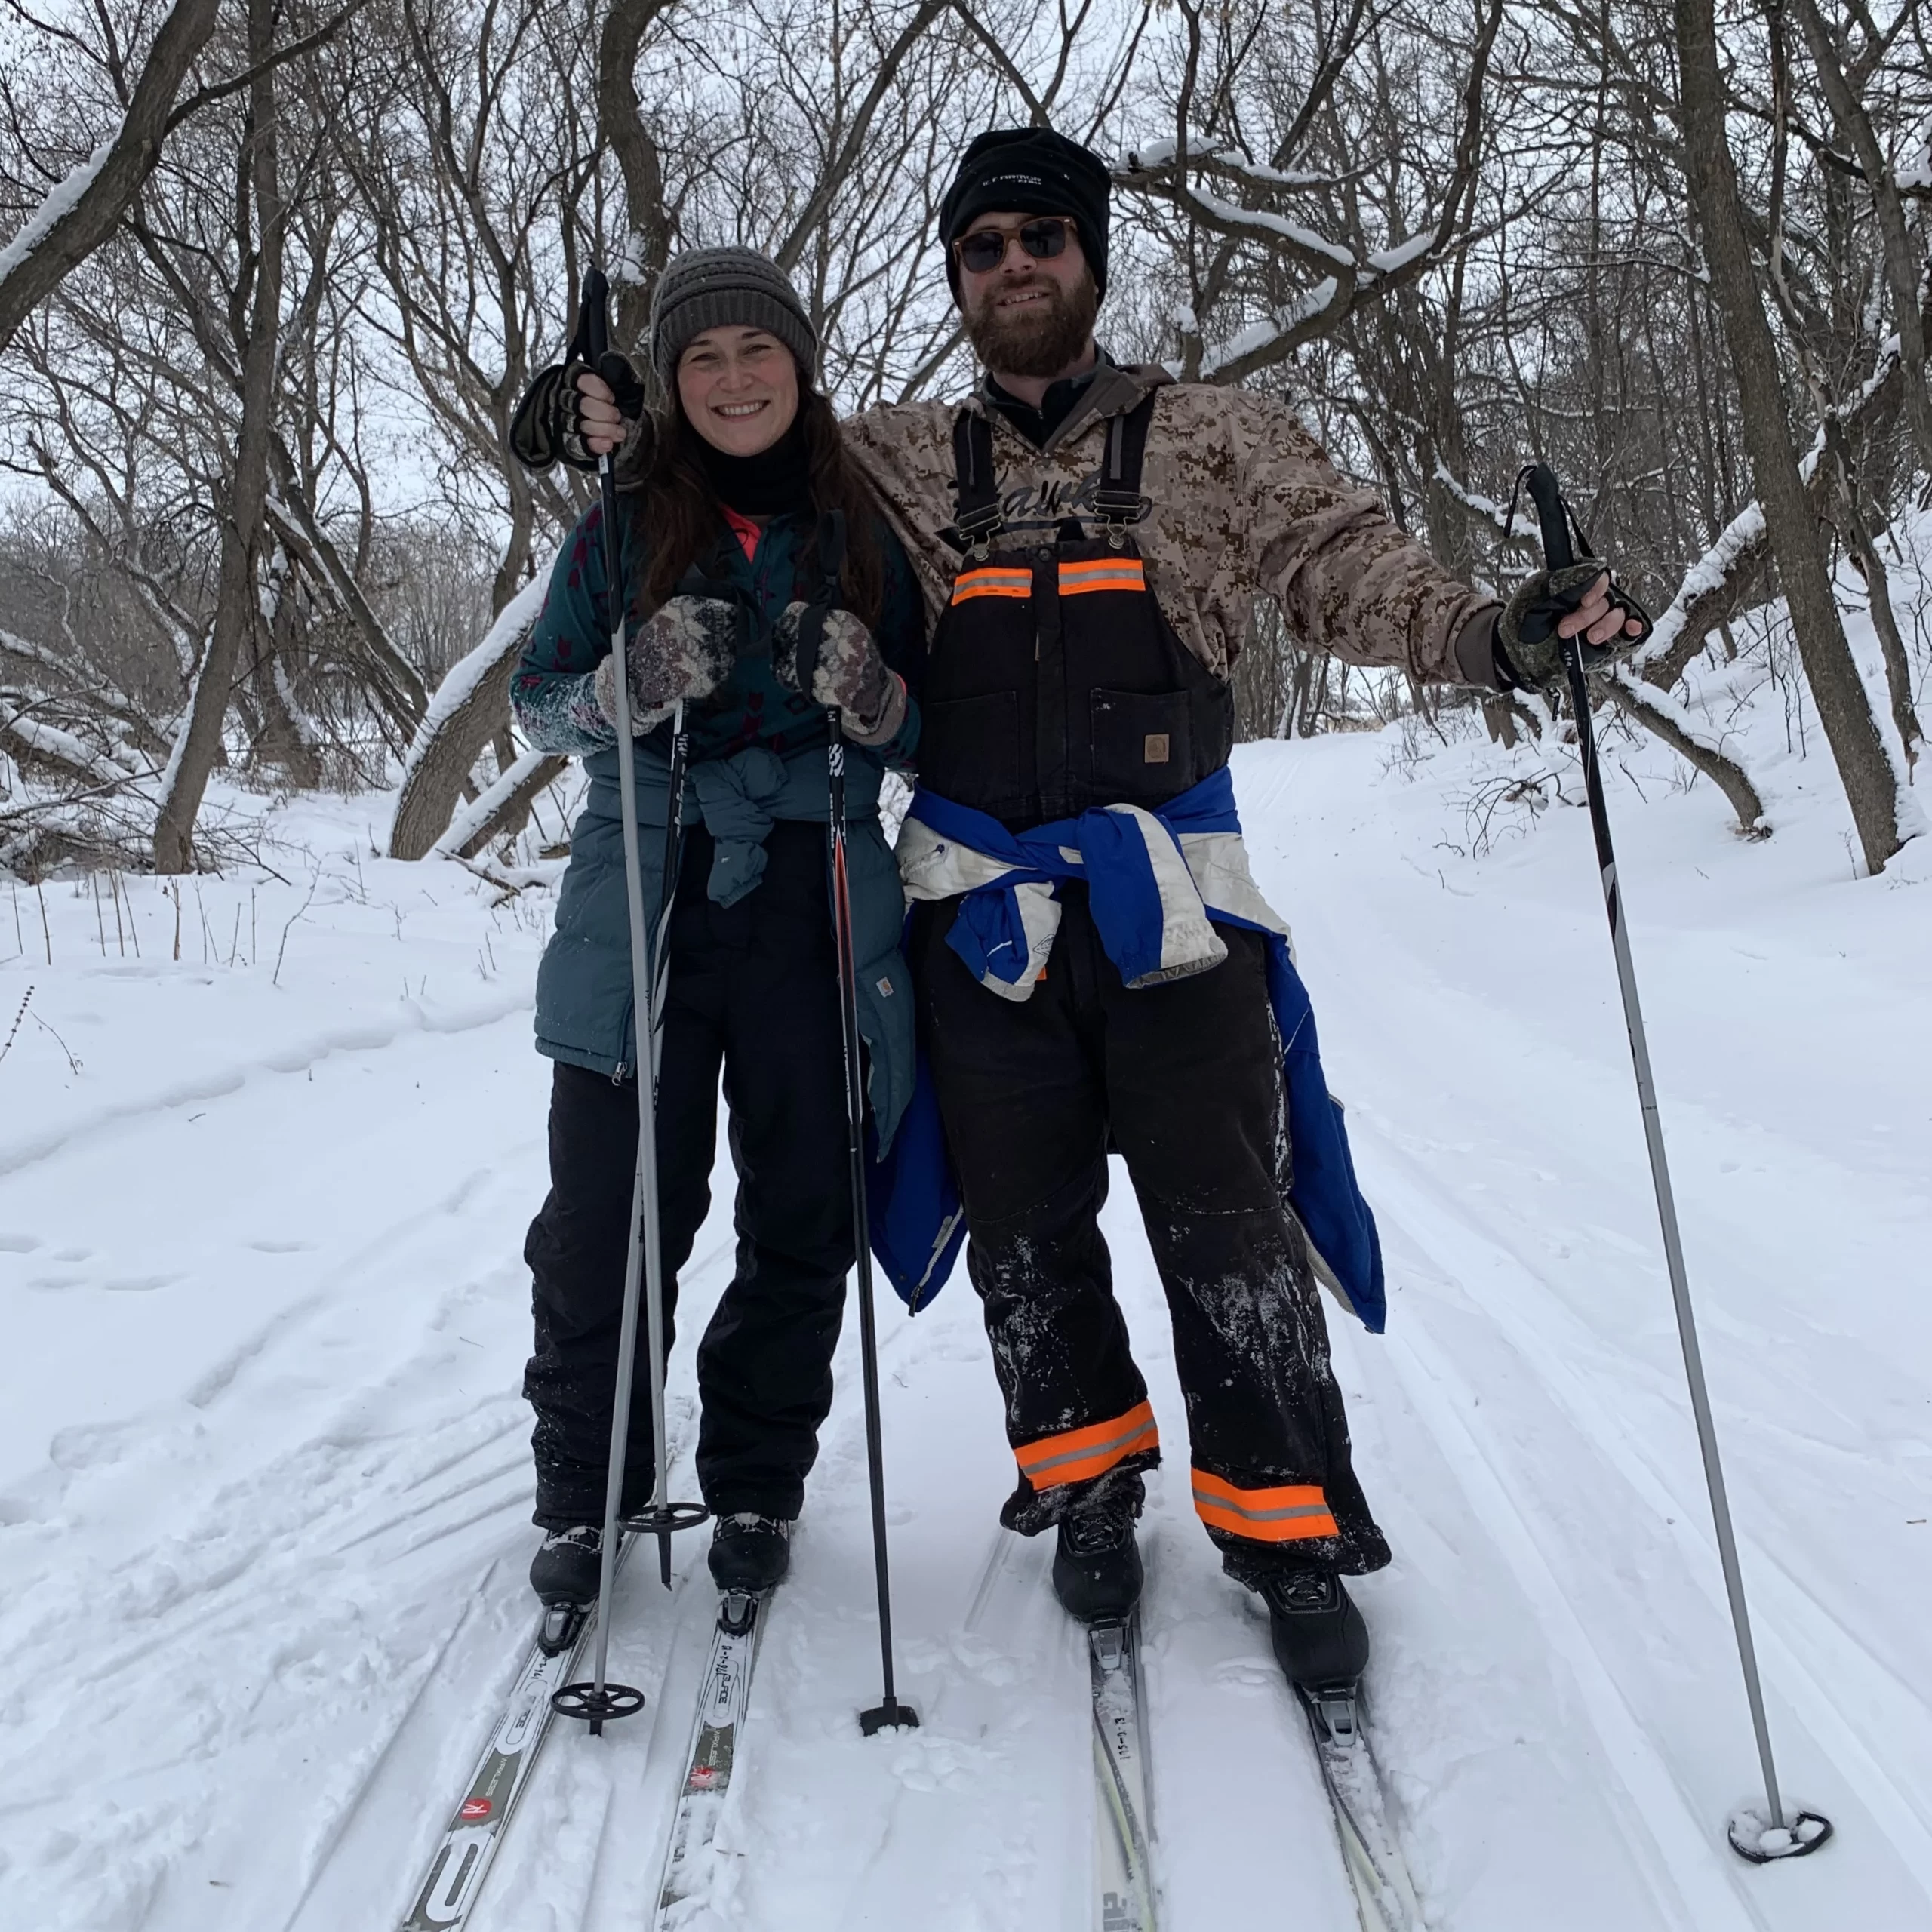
<point>979,519</point>
<point>1118,501</point>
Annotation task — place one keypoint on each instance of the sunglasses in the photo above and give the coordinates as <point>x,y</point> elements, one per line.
<point>982,252</point>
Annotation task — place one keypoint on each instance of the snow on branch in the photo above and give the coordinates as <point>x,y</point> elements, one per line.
<point>83,208</point>
<point>479,821</point>
<point>1716,583</point>
<point>1492,513</point>
<point>1204,151</point>
<point>1179,169</point>
<point>1666,717</point>
<point>34,738</point>
<point>101,694</point>
<point>1258,338</point>
<point>1259,225</point>
<point>469,706</point>
<point>459,687</point>
<point>62,199</point>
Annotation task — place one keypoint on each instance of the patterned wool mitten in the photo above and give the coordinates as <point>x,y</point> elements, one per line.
<point>685,649</point>
<point>1526,639</point>
<point>848,672</point>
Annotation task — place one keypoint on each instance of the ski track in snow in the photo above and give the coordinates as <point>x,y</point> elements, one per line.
<point>264,1483</point>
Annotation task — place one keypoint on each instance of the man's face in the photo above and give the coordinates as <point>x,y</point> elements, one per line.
<point>1028,315</point>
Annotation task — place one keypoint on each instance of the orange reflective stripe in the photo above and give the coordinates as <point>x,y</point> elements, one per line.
<point>1266,1515</point>
<point>991,583</point>
<point>1075,1455</point>
<point>1102,573</point>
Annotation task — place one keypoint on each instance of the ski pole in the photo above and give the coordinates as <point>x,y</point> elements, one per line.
<point>890,1713</point>
<point>661,1517</point>
<point>643,1261</point>
<point>1808,1830</point>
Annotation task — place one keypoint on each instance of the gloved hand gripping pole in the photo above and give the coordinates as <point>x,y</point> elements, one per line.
<point>1794,1838</point>
<point>644,1267</point>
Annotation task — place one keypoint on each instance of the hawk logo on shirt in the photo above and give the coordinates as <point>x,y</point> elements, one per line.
<point>1036,508</point>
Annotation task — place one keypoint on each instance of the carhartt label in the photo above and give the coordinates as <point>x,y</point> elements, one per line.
<point>885,989</point>
<point>1155,752</point>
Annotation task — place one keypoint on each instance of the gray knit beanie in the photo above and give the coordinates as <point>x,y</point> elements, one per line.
<point>709,288</point>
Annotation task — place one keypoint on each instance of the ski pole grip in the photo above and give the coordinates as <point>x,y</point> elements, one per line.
<point>595,302</point>
<point>1552,519</point>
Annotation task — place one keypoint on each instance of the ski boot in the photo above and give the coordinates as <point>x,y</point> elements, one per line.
<point>565,1573</point>
<point>1320,1638</point>
<point>1096,1567</point>
<point>750,1553</point>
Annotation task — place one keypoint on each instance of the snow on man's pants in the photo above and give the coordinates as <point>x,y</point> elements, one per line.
<point>753,991</point>
<point>1183,1080</point>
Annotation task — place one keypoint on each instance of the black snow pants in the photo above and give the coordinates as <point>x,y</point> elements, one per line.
<point>1184,1080</point>
<point>754,991</point>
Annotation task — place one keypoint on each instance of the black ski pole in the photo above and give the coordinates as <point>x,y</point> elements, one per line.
<point>600,1699</point>
<point>890,1713</point>
<point>1807,1831</point>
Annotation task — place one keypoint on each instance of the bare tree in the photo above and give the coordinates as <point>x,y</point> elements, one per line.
<point>1844,708</point>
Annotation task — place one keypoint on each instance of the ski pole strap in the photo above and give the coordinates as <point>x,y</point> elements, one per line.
<point>830,541</point>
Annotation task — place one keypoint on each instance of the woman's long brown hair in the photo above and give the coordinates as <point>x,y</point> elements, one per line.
<point>680,517</point>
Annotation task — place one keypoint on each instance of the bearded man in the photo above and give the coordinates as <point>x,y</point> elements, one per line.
<point>1095,968</point>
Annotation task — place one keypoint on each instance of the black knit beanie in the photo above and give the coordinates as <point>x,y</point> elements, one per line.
<point>711,288</point>
<point>1035,171</point>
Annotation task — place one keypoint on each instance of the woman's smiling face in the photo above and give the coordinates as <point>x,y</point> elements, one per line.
<point>740,388</point>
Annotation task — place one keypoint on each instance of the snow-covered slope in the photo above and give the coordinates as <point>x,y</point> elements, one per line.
<point>263,1476</point>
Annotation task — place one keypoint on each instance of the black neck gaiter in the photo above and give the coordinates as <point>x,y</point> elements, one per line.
<point>767,484</point>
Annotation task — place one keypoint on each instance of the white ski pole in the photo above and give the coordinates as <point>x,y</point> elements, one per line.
<point>1807,1831</point>
<point>600,1699</point>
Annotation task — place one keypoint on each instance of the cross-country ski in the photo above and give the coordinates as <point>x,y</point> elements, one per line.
<point>964,966</point>
<point>1370,1850</point>
<point>1123,1820</point>
<point>723,1699</point>
<point>461,1862</point>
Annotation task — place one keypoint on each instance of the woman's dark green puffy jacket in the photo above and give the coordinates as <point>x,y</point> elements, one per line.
<point>758,754</point>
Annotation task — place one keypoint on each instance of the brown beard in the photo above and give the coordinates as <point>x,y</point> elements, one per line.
<point>1040,341</point>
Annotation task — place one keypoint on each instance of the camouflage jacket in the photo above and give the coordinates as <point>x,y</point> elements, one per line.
<point>1243,502</point>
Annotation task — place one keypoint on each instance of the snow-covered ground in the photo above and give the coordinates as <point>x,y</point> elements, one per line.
<point>263,1473</point>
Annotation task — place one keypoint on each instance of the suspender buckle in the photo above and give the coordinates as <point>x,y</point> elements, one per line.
<point>1115,510</point>
<point>976,528</point>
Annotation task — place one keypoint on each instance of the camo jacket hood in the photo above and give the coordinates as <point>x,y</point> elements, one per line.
<point>1244,502</point>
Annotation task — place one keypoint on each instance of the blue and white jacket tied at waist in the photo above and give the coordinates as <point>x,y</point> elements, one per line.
<point>1156,882</point>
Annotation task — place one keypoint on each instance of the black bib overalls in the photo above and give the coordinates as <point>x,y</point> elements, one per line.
<point>1055,685</point>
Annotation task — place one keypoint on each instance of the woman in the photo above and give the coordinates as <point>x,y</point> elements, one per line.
<point>719,562</point>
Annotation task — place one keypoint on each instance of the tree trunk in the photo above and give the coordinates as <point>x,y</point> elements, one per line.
<point>1863,551</point>
<point>467,710</point>
<point>1843,708</point>
<point>620,128</point>
<point>281,741</point>
<point>236,608</point>
<point>1902,273</point>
